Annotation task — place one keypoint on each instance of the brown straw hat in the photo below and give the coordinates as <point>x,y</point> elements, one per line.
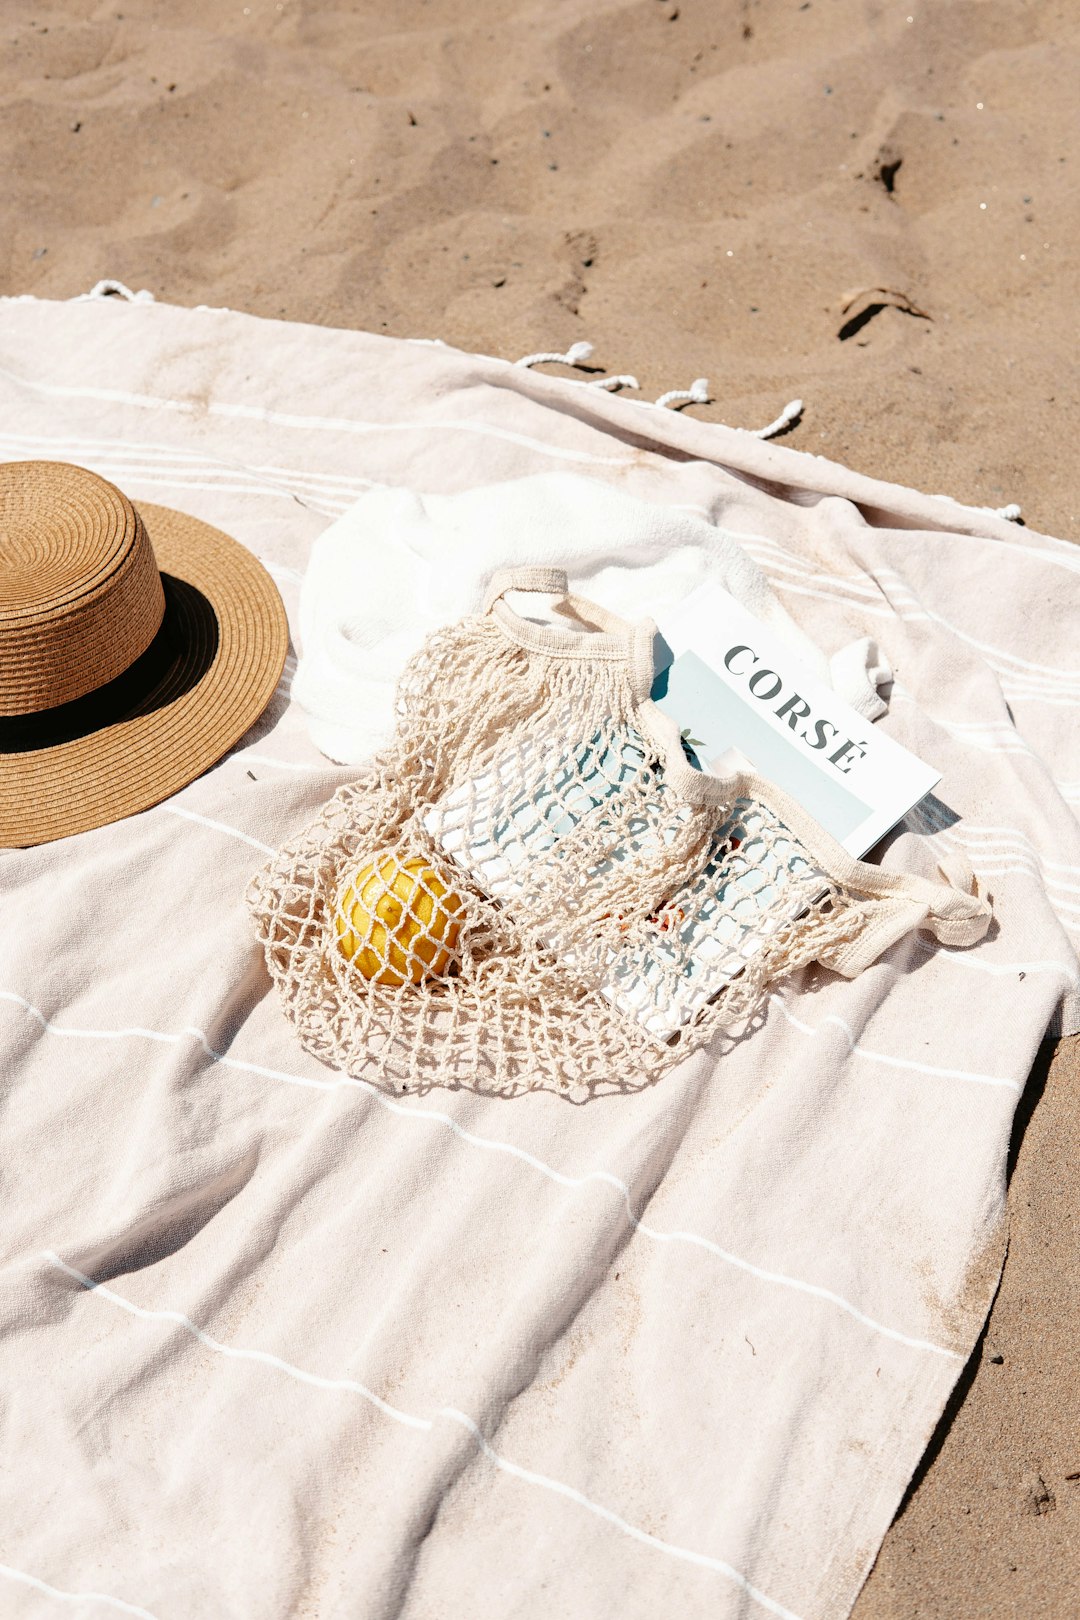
<point>136,647</point>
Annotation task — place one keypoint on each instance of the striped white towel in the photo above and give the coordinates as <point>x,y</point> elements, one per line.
<point>273,1343</point>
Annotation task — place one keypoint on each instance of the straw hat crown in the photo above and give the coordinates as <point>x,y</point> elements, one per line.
<point>80,594</point>
<point>137,646</point>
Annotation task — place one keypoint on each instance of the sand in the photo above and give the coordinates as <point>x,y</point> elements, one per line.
<point>874,207</point>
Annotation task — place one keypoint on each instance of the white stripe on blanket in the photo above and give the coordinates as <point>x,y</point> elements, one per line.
<point>574,1182</point>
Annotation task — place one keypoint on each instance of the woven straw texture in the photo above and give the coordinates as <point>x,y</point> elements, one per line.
<point>118,685</point>
<point>80,597</point>
<point>529,888</point>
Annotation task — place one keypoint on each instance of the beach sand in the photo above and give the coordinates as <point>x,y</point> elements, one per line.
<point>873,207</point>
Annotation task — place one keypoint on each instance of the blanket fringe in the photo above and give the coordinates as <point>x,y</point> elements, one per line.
<point>790,413</point>
<point>110,288</point>
<point>575,354</point>
<point>696,394</point>
<point>614,382</point>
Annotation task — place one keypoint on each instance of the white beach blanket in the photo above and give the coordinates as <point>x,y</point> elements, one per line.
<point>273,1343</point>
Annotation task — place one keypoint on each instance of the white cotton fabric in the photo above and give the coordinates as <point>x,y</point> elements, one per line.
<point>400,563</point>
<point>273,1343</point>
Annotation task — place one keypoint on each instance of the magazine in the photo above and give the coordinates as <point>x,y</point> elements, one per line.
<point>742,699</point>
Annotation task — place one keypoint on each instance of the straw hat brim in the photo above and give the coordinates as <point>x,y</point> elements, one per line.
<point>231,673</point>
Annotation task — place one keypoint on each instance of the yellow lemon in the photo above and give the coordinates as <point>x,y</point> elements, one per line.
<point>397,922</point>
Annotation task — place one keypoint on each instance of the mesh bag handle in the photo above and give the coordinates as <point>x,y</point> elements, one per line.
<point>549,581</point>
<point>532,886</point>
<point>615,639</point>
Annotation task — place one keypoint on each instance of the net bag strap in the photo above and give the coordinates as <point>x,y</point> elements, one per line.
<point>550,581</point>
<point>615,640</point>
<point>956,912</point>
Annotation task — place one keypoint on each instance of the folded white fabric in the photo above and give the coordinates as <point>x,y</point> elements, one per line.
<point>398,563</point>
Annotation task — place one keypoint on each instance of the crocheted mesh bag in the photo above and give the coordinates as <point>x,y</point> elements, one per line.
<point>532,887</point>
